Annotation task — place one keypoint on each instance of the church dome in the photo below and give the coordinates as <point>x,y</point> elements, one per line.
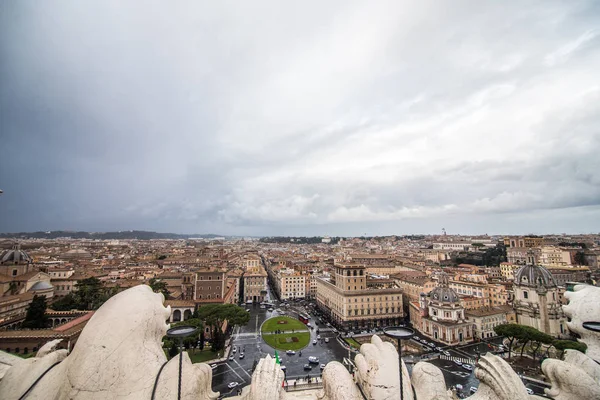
<point>15,256</point>
<point>42,285</point>
<point>534,275</point>
<point>444,294</point>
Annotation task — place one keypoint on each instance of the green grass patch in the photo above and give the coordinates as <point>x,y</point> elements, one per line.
<point>287,341</point>
<point>283,323</point>
<point>198,356</point>
<point>352,343</point>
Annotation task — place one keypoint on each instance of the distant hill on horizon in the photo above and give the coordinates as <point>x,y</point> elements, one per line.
<point>141,235</point>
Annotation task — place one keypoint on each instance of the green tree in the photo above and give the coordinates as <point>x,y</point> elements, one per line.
<point>173,350</point>
<point>562,345</point>
<point>65,303</point>
<point>159,286</point>
<point>201,340</point>
<point>215,315</point>
<point>510,331</point>
<point>90,294</point>
<point>539,339</point>
<point>36,317</point>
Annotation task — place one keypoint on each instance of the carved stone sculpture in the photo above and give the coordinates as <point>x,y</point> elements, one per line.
<point>119,355</point>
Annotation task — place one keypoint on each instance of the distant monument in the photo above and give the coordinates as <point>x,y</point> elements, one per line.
<point>119,355</point>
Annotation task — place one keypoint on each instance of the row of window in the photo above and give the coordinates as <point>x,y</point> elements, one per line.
<point>368,311</point>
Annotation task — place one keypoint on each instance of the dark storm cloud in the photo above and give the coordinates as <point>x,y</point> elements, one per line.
<point>280,119</point>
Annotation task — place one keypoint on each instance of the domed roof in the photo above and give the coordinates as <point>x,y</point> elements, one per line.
<point>534,275</point>
<point>15,255</point>
<point>76,253</point>
<point>42,285</point>
<point>443,293</point>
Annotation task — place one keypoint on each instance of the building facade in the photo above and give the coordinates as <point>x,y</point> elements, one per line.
<point>441,317</point>
<point>353,301</point>
<point>537,299</point>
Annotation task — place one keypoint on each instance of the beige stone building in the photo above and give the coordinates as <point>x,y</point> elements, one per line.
<point>537,300</point>
<point>485,319</point>
<point>292,284</point>
<point>255,284</point>
<point>523,241</point>
<point>353,300</point>
<point>508,270</point>
<point>554,257</point>
<point>440,316</point>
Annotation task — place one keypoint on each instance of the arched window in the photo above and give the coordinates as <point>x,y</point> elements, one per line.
<point>525,295</point>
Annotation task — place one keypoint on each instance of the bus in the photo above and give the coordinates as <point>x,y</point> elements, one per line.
<point>303,317</point>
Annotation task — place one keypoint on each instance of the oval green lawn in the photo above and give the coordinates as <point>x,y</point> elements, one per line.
<point>297,340</point>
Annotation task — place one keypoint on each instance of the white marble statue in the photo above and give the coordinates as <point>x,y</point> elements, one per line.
<point>119,355</point>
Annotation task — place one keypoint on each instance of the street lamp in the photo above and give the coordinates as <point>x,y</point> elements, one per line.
<point>181,332</point>
<point>399,333</point>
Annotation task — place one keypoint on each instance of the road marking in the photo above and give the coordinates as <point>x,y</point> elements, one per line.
<point>250,377</point>
<point>238,375</point>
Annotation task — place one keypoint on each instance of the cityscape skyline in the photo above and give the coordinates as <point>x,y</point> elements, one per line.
<point>272,119</point>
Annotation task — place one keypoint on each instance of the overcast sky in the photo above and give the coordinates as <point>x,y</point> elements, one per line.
<point>293,118</point>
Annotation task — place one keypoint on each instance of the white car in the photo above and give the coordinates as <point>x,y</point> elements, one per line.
<point>234,350</point>
<point>447,353</point>
<point>529,391</point>
<point>458,363</point>
<point>232,385</point>
<point>213,366</point>
<point>314,341</point>
<point>319,337</point>
<point>468,367</point>
<point>326,340</point>
<point>322,366</point>
<point>290,352</point>
<point>231,358</point>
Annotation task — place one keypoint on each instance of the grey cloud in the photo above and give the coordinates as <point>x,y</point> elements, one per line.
<point>299,119</point>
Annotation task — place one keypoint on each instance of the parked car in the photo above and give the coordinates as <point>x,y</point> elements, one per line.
<point>529,391</point>
<point>473,389</point>
<point>322,366</point>
<point>313,360</point>
<point>314,342</point>
<point>213,366</point>
<point>232,385</point>
<point>241,355</point>
<point>318,336</point>
<point>230,358</point>
<point>283,367</point>
<point>457,363</point>
<point>446,353</point>
<point>326,340</point>
<point>234,349</point>
<point>307,366</point>
<point>468,367</point>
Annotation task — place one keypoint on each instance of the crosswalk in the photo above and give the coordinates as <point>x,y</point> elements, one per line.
<point>459,359</point>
